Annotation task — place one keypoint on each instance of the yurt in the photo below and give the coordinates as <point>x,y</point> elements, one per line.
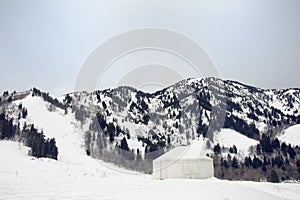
<point>186,162</point>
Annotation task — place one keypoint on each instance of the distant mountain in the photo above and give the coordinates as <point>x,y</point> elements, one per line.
<point>141,126</point>
<point>179,113</point>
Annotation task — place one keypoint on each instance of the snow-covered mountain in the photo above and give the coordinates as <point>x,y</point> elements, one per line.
<point>177,114</point>
<point>141,126</point>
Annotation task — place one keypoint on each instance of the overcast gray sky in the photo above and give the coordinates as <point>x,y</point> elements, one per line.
<point>44,43</point>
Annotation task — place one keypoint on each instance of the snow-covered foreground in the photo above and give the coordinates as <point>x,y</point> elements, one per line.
<point>24,177</point>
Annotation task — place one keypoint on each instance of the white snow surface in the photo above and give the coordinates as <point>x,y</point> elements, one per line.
<point>77,176</point>
<point>229,137</point>
<point>56,124</point>
<point>24,177</point>
<point>291,135</point>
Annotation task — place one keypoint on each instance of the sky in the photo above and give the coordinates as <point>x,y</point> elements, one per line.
<point>44,44</point>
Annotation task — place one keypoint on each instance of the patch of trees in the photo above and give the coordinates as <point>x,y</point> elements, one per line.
<point>154,143</point>
<point>124,144</point>
<point>252,116</point>
<point>48,98</point>
<point>258,112</point>
<point>171,102</point>
<point>274,177</point>
<point>40,146</point>
<point>146,119</point>
<point>202,129</point>
<point>7,128</point>
<point>241,126</point>
<point>233,106</point>
<point>217,149</point>
<point>266,144</point>
<point>110,130</point>
<point>68,99</point>
<point>9,99</point>
<point>282,164</point>
<point>233,149</point>
<point>5,93</point>
<point>100,145</point>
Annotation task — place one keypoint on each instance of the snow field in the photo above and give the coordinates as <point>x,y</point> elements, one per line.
<point>24,177</point>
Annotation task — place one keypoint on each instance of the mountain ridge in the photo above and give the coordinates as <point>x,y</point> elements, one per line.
<point>145,125</point>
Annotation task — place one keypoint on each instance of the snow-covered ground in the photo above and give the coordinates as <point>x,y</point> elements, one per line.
<point>24,177</point>
<point>291,135</point>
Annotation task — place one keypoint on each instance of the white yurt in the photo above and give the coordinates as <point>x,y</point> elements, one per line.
<point>188,162</point>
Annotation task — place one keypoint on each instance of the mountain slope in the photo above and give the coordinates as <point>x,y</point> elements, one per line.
<point>291,135</point>
<point>126,123</point>
<point>178,113</point>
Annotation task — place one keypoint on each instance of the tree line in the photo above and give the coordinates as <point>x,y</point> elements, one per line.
<point>271,160</point>
<point>30,136</point>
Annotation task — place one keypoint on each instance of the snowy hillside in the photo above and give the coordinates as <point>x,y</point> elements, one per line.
<point>24,177</point>
<point>291,135</point>
<point>178,113</point>
<point>130,128</point>
<point>58,125</point>
<point>228,138</point>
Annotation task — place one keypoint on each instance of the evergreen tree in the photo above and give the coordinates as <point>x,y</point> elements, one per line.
<point>138,155</point>
<point>248,161</point>
<point>274,177</point>
<point>264,168</point>
<point>275,143</point>
<point>291,151</point>
<point>279,161</point>
<point>68,99</point>
<point>256,163</point>
<point>284,148</point>
<point>104,105</point>
<point>298,165</point>
<point>225,164</point>
<point>111,137</point>
<point>258,149</point>
<point>266,144</point>
<point>235,163</point>
<point>53,148</point>
<point>24,113</point>
<point>217,149</point>
<point>234,149</point>
<point>111,131</point>
<point>124,144</point>
<point>230,150</point>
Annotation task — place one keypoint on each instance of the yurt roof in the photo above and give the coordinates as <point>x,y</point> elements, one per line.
<point>193,151</point>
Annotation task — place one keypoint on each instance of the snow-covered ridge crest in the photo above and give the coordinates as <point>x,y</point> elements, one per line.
<point>140,123</point>
<point>179,112</point>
